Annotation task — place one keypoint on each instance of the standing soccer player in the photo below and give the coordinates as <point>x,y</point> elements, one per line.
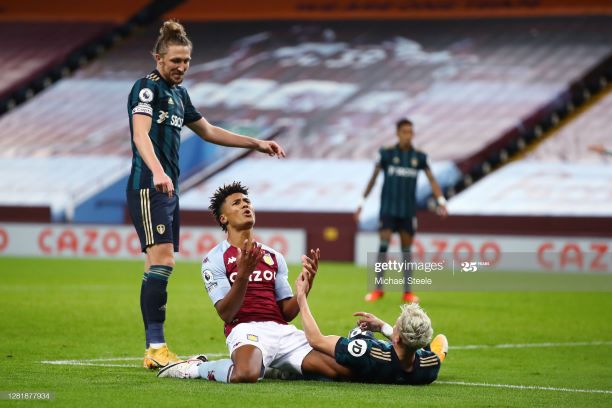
<point>158,107</point>
<point>401,164</point>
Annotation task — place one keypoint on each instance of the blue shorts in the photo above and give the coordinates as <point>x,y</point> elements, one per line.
<point>155,217</point>
<point>398,224</point>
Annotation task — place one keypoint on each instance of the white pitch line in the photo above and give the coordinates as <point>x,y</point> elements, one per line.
<point>101,362</point>
<point>530,345</point>
<point>525,387</point>
<point>98,361</point>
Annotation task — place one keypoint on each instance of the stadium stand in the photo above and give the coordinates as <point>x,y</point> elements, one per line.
<point>336,87</point>
<point>569,144</point>
<point>559,177</point>
<point>24,57</point>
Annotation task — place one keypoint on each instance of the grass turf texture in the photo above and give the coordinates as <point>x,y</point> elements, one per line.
<point>84,309</point>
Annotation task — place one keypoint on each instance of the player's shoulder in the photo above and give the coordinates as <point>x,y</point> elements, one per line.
<point>388,148</point>
<point>215,255</point>
<point>420,152</point>
<point>274,253</point>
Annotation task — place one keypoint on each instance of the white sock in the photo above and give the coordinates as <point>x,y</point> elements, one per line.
<point>157,345</point>
<point>218,370</point>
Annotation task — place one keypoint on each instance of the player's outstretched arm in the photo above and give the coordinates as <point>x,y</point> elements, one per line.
<point>319,342</point>
<point>248,258</point>
<point>437,191</point>
<point>367,191</point>
<point>220,136</point>
<point>372,323</point>
<point>289,307</point>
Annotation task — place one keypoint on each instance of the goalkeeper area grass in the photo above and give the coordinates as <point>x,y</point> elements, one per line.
<point>73,328</point>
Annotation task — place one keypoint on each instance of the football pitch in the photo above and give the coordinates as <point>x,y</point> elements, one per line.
<point>73,328</point>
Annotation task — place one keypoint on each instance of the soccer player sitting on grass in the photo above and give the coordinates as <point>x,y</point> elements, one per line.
<point>248,285</point>
<point>407,359</point>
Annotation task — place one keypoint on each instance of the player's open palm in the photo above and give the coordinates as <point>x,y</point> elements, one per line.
<point>248,258</point>
<point>369,322</point>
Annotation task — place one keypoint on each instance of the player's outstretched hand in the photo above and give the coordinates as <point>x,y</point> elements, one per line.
<point>271,148</point>
<point>442,211</point>
<point>357,214</point>
<point>163,184</point>
<point>310,266</point>
<point>248,258</point>
<point>302,287</point>
<point>369,322</point>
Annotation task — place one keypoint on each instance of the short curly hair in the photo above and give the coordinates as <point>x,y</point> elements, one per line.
<point>218,198</point>
<point>414,326</point>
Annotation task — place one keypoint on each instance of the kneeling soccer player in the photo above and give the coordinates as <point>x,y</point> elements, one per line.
<point>248,285</point>
<point>407,359</point>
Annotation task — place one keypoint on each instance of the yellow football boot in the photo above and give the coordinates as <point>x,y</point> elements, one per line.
<point>159,357</point>
<point>439,345</point>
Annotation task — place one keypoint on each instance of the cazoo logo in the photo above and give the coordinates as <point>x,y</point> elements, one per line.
<point>256,276</point>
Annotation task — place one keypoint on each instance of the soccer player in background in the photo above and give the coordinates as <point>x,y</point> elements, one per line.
<point>400,164</point>
<point>248,284</point>
<point>407,359</point>
<point>158,107</point>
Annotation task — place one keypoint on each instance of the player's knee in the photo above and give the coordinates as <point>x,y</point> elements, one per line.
<point>161,255</point>
<point>244,376</point>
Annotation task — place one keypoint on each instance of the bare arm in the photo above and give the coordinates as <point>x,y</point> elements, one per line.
<point>290,307</point>
<point>222,137</point>
<point>319,342</point>
<point>437,191</point>
<point>372,323</point>
<point>247,260</point>
<point>141,125</point>
<point>368,189</point>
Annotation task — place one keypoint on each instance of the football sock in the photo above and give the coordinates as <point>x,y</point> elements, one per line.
<point>382,257</point>
<point>142,307</point>
<point>218,370</point>
<point>407,257</point>
<point>155,297</point>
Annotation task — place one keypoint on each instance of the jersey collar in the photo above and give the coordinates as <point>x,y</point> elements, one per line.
<point>156,72</point>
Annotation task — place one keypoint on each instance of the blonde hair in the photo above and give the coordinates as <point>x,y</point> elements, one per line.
<point>414,326</point>
<point>171,33</point>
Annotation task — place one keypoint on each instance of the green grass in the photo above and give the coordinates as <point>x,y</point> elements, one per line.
<point>83,309</point>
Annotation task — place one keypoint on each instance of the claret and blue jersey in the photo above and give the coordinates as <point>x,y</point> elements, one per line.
<point>169,108</point>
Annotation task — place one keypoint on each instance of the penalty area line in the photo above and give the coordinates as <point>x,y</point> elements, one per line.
<point>525,387</point>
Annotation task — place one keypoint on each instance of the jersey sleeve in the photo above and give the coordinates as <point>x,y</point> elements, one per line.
<point>382,160</point>
<point>215,280</point>
<point>282,287</point>
<point>424,162</point>
<point>191,113</point>
<point>353,353</point>
<point>143,98</point>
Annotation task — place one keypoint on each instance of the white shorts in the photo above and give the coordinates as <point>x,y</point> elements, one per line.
<point>283,346</point>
